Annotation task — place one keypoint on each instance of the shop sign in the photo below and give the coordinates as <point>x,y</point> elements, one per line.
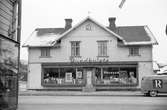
<point>88,60</point>
<point>107,72</point>
<point>68,77</point>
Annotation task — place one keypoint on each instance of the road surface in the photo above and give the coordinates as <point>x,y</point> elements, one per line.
<point>92,103</point>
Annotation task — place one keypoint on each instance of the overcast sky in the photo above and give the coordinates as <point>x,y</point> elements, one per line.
<point>51,14</point>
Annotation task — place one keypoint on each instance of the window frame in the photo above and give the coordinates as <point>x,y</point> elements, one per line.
<point>45,51</point>
<point>134,51</point>
<point>102,48</point>
<point>75,48</point>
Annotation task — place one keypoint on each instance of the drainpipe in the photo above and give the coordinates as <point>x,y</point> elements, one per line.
<point>19,3</point>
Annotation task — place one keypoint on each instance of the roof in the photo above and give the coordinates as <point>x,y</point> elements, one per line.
<point>130,35</point>
<point>136,35</point>
<point>133,33</point>
<point>155,66</point>
<point>44,31</point>
<point>43,37</point>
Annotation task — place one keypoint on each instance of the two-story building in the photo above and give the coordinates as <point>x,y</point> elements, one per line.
<point>89,56</point>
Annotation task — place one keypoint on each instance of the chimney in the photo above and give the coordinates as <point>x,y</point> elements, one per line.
<point>68,24</point>
<point>112,25</point>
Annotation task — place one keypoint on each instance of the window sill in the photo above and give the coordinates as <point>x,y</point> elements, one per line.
<point>134,55</point>
<point>102,56</point>
<point>117,84</point>
<point>75,56</point>
<point>62,85</point>
<point>45,57</point>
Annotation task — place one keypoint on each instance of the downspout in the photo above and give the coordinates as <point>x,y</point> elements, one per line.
<point>19,3</point>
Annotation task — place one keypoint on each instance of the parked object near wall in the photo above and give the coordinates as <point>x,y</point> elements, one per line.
<point>152,85</point>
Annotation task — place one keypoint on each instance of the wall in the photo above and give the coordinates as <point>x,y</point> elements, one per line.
<point>144,69</point>
<point>89,48</point>
<point>8,18</point>
<point>34,76</point>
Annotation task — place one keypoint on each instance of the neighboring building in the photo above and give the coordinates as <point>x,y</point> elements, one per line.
<point>156,68</point>
<point>89,56</point>
<point>10,29</point>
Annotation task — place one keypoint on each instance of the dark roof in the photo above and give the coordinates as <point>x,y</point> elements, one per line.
<point>133,33</point>
<point>43,31</point>
<point>129,33</point>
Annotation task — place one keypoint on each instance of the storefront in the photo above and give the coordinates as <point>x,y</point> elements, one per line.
<point>95,74</point>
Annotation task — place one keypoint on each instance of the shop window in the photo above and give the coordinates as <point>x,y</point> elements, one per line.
<point>102,48</point>
<point>63,76</point>
<point>134,51</point>
<point>75,48</point>
<point>116,76</point>
<point>45,52</point>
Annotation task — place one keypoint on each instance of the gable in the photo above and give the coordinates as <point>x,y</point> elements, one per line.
<point>89,29</point>
<point>90,20</point>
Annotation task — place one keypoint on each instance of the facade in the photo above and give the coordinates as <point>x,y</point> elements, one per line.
<point>89,56</point>
<point>10,21</point>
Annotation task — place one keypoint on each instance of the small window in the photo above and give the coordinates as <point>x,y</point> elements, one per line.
<point>88,27</point>
<point>134,51</point>
<point>102,48</point>
<point>45,52</point>
<point>75,48</point>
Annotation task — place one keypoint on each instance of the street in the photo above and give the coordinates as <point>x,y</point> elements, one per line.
<point>92,103</point>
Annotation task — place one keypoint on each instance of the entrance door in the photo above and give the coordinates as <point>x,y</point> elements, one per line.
<point>89,78</point>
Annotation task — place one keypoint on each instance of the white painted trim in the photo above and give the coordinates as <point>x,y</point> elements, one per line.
<point>150,34</point>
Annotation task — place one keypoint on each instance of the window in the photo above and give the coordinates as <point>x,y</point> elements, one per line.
<point>116,76</point>
<point>75,48</point>
<point>88,27</point>
<point>45,52</point>
<point>134,51</point>
<point>63,76</point>
<point>102,48</point>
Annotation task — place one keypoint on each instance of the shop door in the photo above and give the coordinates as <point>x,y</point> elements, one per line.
<point>89,78</point>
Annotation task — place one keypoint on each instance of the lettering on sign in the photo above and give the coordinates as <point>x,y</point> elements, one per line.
<point>90,60</point>
<point>157,83</point>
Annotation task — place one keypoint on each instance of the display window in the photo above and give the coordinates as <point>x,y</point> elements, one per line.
<point>116,76</point>
<point>63,76</point>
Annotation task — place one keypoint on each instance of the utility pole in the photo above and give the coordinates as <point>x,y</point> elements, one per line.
<point>121,4</point>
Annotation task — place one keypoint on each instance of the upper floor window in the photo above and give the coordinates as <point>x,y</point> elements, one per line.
<point>88,27</point>
<point>75,48</point>
<point>45,52</point>
<point>102,48</point>
<point>134,51</point>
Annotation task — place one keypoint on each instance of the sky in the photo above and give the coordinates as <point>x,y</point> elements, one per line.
<point>51,14</point>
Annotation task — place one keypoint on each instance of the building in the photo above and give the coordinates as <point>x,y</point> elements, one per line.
<point>89,56</point>
<point>10,29</point>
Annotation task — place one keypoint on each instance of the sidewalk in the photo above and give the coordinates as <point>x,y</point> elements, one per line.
<point>79,93</point>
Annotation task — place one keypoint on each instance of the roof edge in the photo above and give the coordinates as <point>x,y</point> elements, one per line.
<point>150,34</point>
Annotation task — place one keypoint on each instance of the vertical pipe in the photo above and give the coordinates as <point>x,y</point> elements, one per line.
<point>18,2</point>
